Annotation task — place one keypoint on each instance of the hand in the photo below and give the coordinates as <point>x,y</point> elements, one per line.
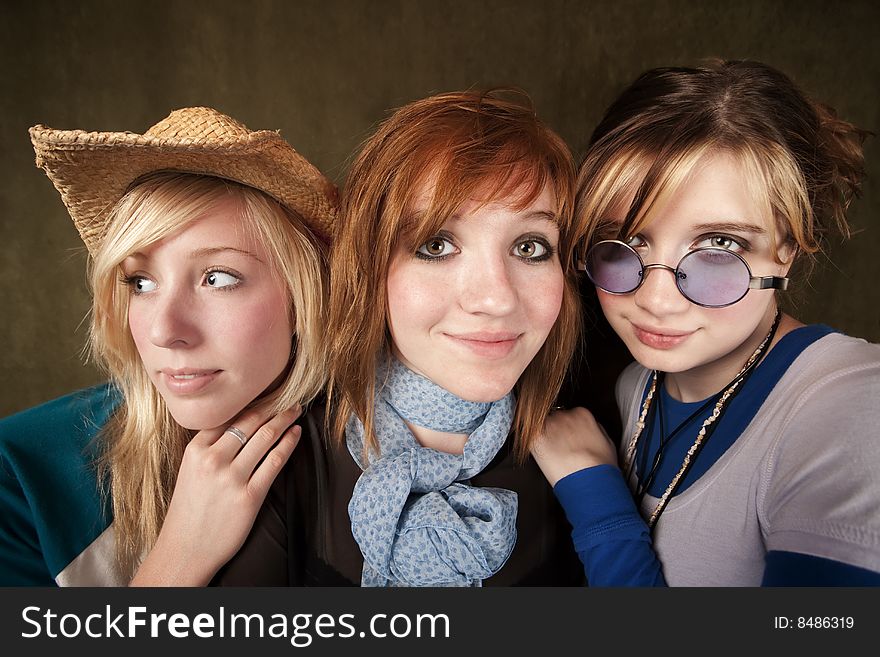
<point>220,488</point>
<point>572,440</point>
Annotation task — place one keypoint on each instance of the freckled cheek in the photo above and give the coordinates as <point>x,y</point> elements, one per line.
<point>413,302</point>
<point>544,302</point>
<point>614,305</point>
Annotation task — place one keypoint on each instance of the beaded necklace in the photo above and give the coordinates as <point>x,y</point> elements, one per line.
<point>706,429</point>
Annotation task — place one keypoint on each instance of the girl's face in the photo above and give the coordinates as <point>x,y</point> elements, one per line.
<point>471,307</point>
<point>209,319</point>
<point>661,328</point>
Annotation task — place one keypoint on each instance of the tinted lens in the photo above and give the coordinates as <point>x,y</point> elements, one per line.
<point>713,277</point>
<point>614,267</point>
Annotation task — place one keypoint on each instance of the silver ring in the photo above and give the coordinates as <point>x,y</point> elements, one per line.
<point>238,433</point>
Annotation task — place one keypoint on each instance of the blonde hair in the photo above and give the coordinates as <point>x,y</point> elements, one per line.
<point>488,144</point>
<point>801,162</point>
<point>143,445</point>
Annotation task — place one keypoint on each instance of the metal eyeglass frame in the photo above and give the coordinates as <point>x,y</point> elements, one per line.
<point>755,282</point>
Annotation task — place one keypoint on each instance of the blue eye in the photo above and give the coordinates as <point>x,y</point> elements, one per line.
<point>139,284</point>
<point>436,247</point>
<point>221,279</point>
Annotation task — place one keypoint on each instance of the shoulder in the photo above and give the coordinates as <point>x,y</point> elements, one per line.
<point>71,420</point>
<point>833,385</point>
<point>628,382</point>
<point>836,368</point>
<point>307,466</point>
<point>822,416</point>
<point>837,353</point>
<point>49,493</point>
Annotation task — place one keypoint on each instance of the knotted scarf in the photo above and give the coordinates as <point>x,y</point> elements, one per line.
<point>415,519</point>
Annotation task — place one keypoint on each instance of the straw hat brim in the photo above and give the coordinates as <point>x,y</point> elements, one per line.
<point>93,170</point>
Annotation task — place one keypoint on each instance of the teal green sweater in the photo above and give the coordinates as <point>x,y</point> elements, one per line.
<point>51,508</point>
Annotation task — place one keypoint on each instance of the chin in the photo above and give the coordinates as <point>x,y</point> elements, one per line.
<point>483,390</point>
<point>200,419</point>
<point>663,361</point>
<point>195,423</point>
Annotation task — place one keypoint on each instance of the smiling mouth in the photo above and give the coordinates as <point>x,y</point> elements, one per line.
<point>658,339</point>
<point>487,345</point>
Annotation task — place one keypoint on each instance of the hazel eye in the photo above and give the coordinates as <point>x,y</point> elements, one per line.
<point>436,247</point>
<point>725,242</point>
<point>530,249</point>
<point>636,241</point>
<point>221,279</point>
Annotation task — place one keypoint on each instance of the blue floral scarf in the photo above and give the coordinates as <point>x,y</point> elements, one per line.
<point>416,520</point>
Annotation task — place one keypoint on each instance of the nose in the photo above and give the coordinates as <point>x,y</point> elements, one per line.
<point>171,324</point>
<point>658,293</point>
<point>487,287</point>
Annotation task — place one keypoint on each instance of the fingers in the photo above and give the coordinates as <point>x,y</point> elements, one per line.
<point>265,474</point>
<point>249,423</point>
<point>262,440</point>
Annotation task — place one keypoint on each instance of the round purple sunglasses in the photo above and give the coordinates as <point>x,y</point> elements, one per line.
<point>708,276</point>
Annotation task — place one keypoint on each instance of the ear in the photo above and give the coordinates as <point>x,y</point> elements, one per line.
<point>787,254</point>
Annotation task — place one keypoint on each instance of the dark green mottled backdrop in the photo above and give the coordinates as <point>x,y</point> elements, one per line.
<point>324,71</point>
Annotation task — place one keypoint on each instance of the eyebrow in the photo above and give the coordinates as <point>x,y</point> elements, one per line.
<point>729,226</point>
<point>540,215</point>
<point>209,251</point>
<point>546,215</point>
<point>212,250</point>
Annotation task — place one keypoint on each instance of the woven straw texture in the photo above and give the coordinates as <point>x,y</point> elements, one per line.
<point>93,170</point>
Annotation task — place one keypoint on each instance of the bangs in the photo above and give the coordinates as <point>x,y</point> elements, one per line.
<point>665,174</point>
<point>156,207</point>
<point>627,192</point>
<point>618,196</point>
<point>512,178</point>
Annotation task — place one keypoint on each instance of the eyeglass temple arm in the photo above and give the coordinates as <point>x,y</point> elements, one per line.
<point>768,283</point>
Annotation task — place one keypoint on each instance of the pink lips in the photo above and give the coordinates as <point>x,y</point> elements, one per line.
<point>487,344</point>
<point>661,338</point>
<point>188,381</point>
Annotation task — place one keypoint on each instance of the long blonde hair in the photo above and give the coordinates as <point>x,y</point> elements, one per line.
<point>469,142</point>
<point>142,444</point>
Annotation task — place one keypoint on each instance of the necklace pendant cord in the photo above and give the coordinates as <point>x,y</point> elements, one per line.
<point>707,428</point>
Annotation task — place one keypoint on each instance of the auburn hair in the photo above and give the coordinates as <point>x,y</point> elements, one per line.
<point>468,144</point>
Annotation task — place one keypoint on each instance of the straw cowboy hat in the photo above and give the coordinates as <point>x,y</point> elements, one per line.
<point>93,170</point>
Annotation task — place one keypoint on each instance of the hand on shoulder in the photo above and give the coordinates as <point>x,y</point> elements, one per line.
<point>572,440</point>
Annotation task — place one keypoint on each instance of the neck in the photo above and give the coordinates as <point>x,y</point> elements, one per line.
<point>451,443</point>
<point>706,380</point>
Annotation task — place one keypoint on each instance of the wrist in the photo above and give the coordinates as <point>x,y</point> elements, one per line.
<point>168,565</point>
